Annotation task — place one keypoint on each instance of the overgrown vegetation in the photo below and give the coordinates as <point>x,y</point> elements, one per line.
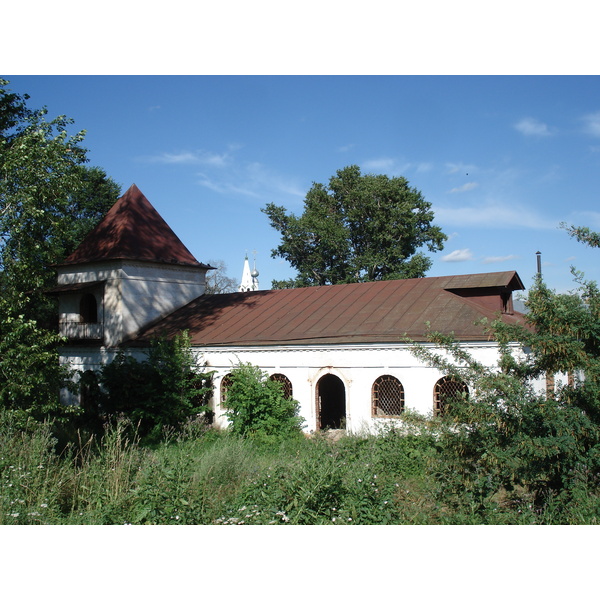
<point>160,392</point>
<point>203,476</point>
<point>516,451</point>
<point>257,407</point>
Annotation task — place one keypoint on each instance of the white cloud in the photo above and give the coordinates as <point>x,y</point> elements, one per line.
<point>458,256</point>
<point>532,127</point>
<point>225,188</point>
<point>592,124</point>
<point>393,167</point>
<point>467,187</point>
<point>199,157</point>
<point>380,164</point>
<point>460,167</point>
<point>497,259</point>
<point>251,180</point>
<point>424,167</point>
<point>494,215</point>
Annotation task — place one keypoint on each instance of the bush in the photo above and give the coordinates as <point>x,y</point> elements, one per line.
<point>160,392</point>
<point>257,407</point>
<point>509,451</point>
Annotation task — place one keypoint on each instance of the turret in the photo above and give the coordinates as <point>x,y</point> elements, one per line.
<point>128,272</point>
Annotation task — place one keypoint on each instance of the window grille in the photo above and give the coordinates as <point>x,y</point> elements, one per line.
<point>286,384</point>
<point>387,397</point>
<point>446,390</point>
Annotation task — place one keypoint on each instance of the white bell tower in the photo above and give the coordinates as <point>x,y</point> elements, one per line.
<point>249,278</point>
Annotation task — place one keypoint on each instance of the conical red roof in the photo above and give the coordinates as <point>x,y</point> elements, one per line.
<point>133,230</point>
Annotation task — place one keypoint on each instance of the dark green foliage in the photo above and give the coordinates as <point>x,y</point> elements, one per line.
<point>13,112</point>
<point>30,375</point>
<point>358,228</point>
<point>257,407</point>
<point>49,200</point>
<point>508,448</point>
<point>160,392</point>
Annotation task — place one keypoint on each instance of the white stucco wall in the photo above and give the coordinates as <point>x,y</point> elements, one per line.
<point>135,293</point>
<point>358,366</point>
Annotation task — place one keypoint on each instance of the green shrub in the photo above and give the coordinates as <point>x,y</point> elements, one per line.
<point>160,392</point>
<point>257,407</point>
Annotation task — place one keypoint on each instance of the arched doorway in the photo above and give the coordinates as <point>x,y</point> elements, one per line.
<point>331,403</point>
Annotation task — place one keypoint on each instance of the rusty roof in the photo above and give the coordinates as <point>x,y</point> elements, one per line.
<point>133,230</point>
<point>382,311</point>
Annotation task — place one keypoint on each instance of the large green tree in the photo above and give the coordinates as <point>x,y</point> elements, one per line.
<point>357,228</point>
<point>49,199</point>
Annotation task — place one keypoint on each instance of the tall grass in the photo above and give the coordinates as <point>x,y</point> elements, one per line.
<point>203,476</point>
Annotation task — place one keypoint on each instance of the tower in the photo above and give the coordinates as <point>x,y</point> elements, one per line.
<point>129,271</point>
<point>249,278</point>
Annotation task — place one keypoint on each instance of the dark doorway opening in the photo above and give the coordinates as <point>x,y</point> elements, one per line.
<point>88,308</point>
<point>331,403</point>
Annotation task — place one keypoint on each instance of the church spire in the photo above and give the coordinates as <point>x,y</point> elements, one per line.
<point>249,278</point>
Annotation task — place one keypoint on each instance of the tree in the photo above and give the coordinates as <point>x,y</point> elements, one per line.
<point>217,281</point>
<point>509,447</point>
<point>49,199</point>
<point>358,228</point>
<point>162,391</point>
<point>583,234</point>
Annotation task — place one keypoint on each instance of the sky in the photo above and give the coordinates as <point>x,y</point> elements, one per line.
<point>503,160</point>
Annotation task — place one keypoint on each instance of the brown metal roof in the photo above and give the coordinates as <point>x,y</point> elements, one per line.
<point>383,311</point>
<point>133,230</point>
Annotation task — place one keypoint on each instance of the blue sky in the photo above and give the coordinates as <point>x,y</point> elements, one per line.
<point>503,159</point>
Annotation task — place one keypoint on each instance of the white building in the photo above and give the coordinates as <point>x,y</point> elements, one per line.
<point>339,350</point>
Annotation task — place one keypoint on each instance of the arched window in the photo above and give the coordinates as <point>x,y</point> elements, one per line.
<point>88,309</point>
<point>225,385</point>
<point>446,390</point>
<point>286,384</point>
<point>387,397</point>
